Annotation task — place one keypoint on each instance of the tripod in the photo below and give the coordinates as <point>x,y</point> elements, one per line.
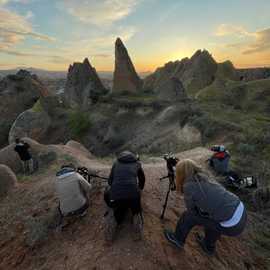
<point>172,187</point>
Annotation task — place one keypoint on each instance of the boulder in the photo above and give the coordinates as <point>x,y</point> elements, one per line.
<point>83,85</point>
<point>39,152</point>
<point>17,93</point>
<point>8,180</point>
<point>78,146</point>
<point>10,158</point>
<point>125,77</point>
<point>30,124</point>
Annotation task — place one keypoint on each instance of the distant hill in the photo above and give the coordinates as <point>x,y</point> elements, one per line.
<point>42,73</point>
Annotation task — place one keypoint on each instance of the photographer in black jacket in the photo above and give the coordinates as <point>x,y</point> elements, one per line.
<point>126,182</point>
<point>22,148</point>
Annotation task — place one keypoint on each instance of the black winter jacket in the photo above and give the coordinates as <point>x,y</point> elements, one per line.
<point>126,177</point>
<point>23,151</point>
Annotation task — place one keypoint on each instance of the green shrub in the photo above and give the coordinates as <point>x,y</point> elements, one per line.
<point>37,107</point>
<point>79,123</point>
<point>246,149</point>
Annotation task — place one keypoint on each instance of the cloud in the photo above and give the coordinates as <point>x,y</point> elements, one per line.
<point>100,12</point>
<point>29,15</point>
<point>15,28</point>
<point>53,58</point>
<point>102,55</point>
<point>16,53</point>
<point>251,42</point>
<point>229,30</point>
<point>261,44</point>
<point>99,45</point>
<point>4,2</point>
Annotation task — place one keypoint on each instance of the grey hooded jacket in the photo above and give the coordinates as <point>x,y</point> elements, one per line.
<point>210,199</point>
<point>72,190</point>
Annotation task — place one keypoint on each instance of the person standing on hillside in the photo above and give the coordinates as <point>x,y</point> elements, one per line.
<point>126,182</point>
<point>209,205</point>
<point>22,148</point>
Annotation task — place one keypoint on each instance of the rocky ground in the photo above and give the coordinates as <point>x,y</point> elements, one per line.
<point>29,239</point>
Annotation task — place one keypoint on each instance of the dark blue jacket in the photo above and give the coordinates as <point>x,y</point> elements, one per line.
<point>126,177</point>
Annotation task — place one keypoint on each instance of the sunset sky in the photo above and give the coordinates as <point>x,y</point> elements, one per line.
<point>52,34</point>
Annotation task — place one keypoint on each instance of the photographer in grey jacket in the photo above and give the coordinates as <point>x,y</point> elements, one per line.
<point>72,191</point>
<point>209,205</point>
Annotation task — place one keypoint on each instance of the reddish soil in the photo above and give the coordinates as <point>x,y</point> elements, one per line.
<point>81,245</point>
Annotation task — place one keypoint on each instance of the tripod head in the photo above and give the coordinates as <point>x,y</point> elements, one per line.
<point>171,162</point>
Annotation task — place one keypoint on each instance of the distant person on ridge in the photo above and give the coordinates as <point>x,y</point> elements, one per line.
<point>22,148</point>
<point>126,182</point>
<point>209,205</point>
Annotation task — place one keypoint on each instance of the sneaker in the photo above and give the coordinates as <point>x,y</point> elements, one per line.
<point>170,236</point>
<point>83,214</point>
<point>138,227</point>
<point>110,226</point>
<point>201,242</point>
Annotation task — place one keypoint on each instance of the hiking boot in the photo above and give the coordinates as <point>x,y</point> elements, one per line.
<point>201,242</point>
<point>170,236</point>
<point>138,227</point>
<point>110,226</point>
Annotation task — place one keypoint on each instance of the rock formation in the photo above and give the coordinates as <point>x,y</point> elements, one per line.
<point>195,73</point>
<point>8,180</point>
<point>17,93</point>
<point>226,70</point>
<point>83,85</point>
<point>30,124</point>
<point>199,72</point>
<point>125,78</point>
<point>171,89</point>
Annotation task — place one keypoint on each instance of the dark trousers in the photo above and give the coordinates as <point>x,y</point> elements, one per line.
<point>213,230</point>
<point>121,207</point>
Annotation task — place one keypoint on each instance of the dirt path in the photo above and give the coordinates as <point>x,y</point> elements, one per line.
<point>81,245</point>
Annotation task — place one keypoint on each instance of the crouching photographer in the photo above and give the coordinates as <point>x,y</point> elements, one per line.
<point>73,193</point>
<point>219,161</point>
<point>124,193</point>
<point>209,205</point>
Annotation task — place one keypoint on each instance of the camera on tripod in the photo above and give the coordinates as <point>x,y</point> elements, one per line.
<point>171,162</point>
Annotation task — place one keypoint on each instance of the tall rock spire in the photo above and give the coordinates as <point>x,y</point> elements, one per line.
<point>125,77</point>
<point>82,84</point>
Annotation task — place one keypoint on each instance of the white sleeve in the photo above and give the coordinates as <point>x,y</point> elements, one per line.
<point>84,184</point>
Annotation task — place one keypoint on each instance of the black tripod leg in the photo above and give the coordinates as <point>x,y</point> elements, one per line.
<point>166,201</point>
